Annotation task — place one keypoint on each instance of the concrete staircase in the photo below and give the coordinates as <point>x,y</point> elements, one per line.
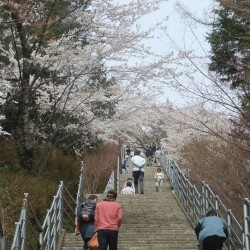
<point>151,221</point>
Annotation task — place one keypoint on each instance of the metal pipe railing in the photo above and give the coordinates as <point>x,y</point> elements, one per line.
<point>246,223</point>
<point>196,205</point>
<point>3,243</point>
<point>53,223</point>
<point>118,176</point>
<point>21,233</point>
<point>79,195</point>
<point>111,183</point>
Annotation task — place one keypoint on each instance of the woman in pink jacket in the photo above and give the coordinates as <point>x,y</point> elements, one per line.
<point>108,219</point>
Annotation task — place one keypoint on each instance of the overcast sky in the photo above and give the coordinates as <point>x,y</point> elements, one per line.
<point>179,31</point>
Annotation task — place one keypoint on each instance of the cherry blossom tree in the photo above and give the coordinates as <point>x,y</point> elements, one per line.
<point>65,67</point>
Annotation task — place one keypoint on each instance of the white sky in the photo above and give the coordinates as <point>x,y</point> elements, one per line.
<point>179,31</point>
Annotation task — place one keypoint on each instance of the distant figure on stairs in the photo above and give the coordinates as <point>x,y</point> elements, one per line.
<point>125,165</point>
<point>86,222</point>
<point>128,150</point>
<point>148,157</point>
<point>128,189</point>
<point>129,179</point>
<point>157,157</point>
<point>108,219</point>
<point>211,232</point>
<point>159,177</point>
<point>138,163</point>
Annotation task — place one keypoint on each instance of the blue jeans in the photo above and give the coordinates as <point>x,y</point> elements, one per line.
<point>107,237</point>
<point>138,179</point>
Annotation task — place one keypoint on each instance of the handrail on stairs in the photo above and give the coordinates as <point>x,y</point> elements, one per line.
<point>80,191</point>
<point>20,239</point>
<point>197,204</point>
<point>114,179</point>
<point>53,223</point>
<point>111,183</point>
<point>246,223</point>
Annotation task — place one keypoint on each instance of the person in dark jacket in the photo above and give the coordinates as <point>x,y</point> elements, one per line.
<point>86,224</point>
<point>211,232</point>
<point>128,150</point>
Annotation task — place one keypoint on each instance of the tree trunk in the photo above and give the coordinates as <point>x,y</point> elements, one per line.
<point>23,130</point>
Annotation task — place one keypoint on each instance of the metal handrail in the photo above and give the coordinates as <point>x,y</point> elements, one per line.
<point>118,176</point>
<point>197,204</point>
<point>79,195</point>
<point>53,223</point>
<point>3,243</point>
<point>21,232</point>
<point>111,183</point>
<point>246,223</point>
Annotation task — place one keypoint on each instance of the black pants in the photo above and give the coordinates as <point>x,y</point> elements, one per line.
<point>107,238</point>
<point>213,243</point>
<point>86,240</point>
<point>138,179</point>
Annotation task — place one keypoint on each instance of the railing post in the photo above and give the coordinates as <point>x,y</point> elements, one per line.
<point>229,222</point>
<point>246,218</point>
<point>26,222</point>
<point>193,204</point>
<point>118,176</point>
<point>3,243</point>
<point>204,198</point>
<point>49,231</point>
<point>61,208</point>
<point>113,180</point>
<point>54,222</point>
<point>79,194</point>
<point>21,233</point>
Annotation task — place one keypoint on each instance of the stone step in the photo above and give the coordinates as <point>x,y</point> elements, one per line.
<point>151,221</point>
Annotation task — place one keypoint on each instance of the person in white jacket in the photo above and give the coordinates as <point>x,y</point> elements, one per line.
<point>159,177</point>
<point>129,179</point>
<point>128,189</point>
<point>138,164</point>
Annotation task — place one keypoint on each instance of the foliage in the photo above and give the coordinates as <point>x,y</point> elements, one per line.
<point>66,71</point>
<point>229,40</point>
<point>224,167</point>
<point>98,165</point>
<point>12,188</point>
<point>229,46</point>
<point>41,188</point>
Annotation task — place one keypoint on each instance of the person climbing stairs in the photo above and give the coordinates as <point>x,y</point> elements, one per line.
<point>151,221</point>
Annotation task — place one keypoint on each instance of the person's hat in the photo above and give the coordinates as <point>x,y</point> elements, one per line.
<point>111,194</point>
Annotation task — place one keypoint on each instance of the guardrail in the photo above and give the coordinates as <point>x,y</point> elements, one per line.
<point>79,195</point>
<point>63,212</point>
<point>246,216</point>
<point>21,232</point>
<point>114,179</point>
<point>111,183</point>
<point>197,204</point>
<point>53,223</point>
<point>3,243</point>
<point>118,176</point>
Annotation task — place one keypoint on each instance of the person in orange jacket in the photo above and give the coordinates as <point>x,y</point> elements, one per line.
<point>108,219</point>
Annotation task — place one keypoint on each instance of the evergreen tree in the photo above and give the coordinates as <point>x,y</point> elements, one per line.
<point>230,47</point>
